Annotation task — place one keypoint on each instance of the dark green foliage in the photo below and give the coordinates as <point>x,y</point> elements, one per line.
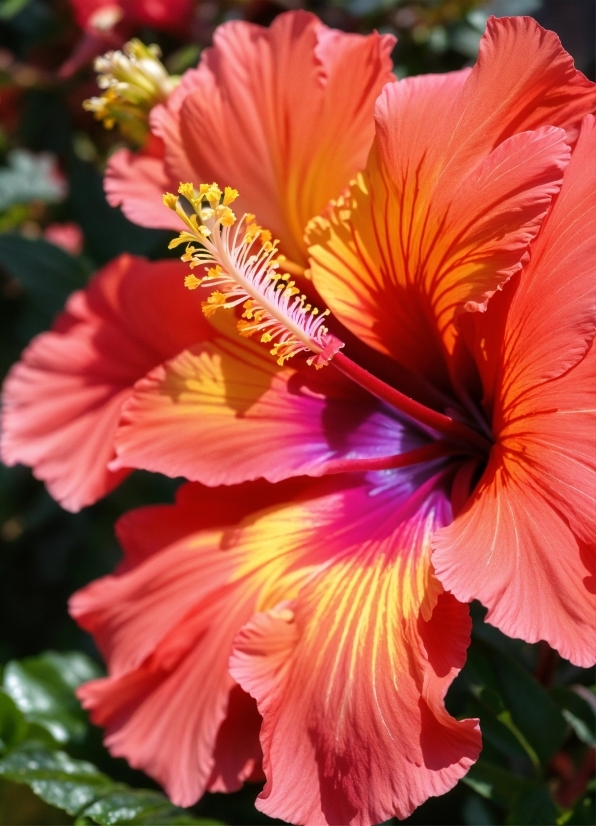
<point>39,716</point>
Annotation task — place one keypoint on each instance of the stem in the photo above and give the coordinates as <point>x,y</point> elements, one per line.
<point>426,453</point>
<point>418,412</point>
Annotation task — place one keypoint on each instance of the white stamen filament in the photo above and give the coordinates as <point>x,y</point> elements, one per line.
<point>273,305</point>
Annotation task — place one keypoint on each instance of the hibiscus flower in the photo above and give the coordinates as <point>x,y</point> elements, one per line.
<point>440,453</point>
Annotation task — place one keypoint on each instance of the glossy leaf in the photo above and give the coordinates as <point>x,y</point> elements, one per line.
<point>13,726</point>
<point>138,806</point>
<point>71,785</point>
<point>43,689</point>
<point>577,713</point>
<point>79,788</point>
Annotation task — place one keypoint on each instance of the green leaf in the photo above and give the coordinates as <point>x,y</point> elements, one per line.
<point>43,689</point>
<point>139,806</point>
<point>527,802</point>
<point>533,711</point>
<point>47,276</point>
<point>496,722</point>
<point>517,701</point>
<point>496,784</point>
<point>13,726</point>
<point>532,808</point>
<point>476,812</point>
<point>69,784</point>
<point>8,8</point>
<point>80,789</point>
<point>577,713</point>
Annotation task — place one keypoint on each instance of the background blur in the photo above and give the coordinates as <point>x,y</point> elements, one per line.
<point>56,228</point>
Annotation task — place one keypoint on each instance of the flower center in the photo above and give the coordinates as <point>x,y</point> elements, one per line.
<point>241,264</point>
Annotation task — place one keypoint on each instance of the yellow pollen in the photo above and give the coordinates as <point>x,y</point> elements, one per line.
<point>213,303</point>
<point>211,193</point>
<point>170,200</point>
<point>187,190</point>
<point>225,215</point>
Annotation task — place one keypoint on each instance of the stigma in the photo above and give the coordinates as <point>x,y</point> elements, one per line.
<point>241,267</point>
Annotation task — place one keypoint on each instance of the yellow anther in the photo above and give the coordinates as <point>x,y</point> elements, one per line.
<point>213,303</point>
<point>213,194</point>
<point>187,190</point>
<point>191,282</point>
<point>245,273</point>
<point>248,308</point>
<point>245,328</point>
<point>225,215</point>
<point>252,232</point>
<point>230,195</point>
<point>188,255</point>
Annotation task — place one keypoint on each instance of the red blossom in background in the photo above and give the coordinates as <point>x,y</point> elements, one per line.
<point>104,15</point>
<point>106,24</point>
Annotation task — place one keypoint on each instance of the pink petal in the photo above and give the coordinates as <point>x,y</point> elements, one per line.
<point>224,413</point>
<point>62,401</point>
<point>137,182</point>
<point>165,624</point>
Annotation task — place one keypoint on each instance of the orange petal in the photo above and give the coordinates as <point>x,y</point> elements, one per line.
<point>523,79</point>
<point>62,401</point>
<point>350,676</point>
<point>437,219</point>
<point>524,545</point>
<point>282,114</point>
<point>400,257</point>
